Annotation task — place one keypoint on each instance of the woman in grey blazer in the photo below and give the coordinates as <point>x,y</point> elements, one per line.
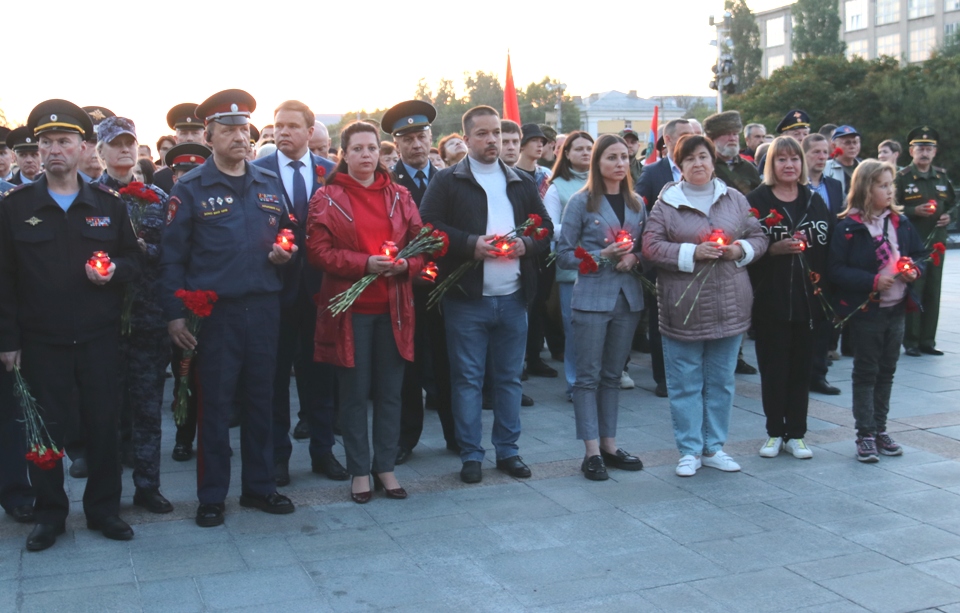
<point>606,301</point>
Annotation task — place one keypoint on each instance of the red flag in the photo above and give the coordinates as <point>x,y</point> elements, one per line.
<point>511,106</point>
<point>652,140</point>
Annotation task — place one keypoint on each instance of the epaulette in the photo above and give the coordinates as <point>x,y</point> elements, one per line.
<point>15,188</point>
<point>904,171</point>
<point>938,169</point>
<point>109,190</point>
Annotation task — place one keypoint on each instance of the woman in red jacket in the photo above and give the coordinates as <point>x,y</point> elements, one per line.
<point>351,217</point>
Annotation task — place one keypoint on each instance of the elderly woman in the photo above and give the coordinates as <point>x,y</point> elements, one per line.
<point>351,217</point>
<point>452,149</point>
<point>603,218</point>
<point>787,310</point>
<point>701,236</point>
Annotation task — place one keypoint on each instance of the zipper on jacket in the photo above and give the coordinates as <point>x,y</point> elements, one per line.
<point>396,286</point>
<point>396,199</point>
<point>332,203</point>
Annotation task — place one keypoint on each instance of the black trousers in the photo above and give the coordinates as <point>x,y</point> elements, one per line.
<point>77,386</point>
<point>824,334</point>
<point>15,489</point>
<point>429,336</point>
<point>785,356</point>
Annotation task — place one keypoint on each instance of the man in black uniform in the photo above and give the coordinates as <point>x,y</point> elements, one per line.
<point>188,129</point>
<point>222,223</point>
<point>58,315</point>
<point>23,143</point>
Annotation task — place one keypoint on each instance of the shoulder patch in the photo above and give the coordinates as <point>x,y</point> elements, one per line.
<point>904,171</point>
<point>110,191</point>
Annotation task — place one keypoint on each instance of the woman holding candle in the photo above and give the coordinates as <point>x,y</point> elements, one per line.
<point>873,286</point>
<point>787,307</point>
<point>700,236</point>
<point>358,221</point>
<point>603,219</point>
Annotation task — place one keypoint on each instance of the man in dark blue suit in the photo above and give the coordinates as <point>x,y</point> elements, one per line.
<point>302,173</point>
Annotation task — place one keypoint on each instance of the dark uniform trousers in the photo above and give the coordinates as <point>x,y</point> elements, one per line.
<point>59,376</point>
<point>15,489</point>
<point>237,358</point>
<point>785,357</point>
<point>921,327</point>
<point>144,358</point>
<point>316,382</point>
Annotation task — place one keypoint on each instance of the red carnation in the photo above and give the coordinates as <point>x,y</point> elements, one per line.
<point>935,258</point>
<point>535,220</point>
<point>773,218</point>
<point>442,251</point>
<point>529,230</point>
<point>939,248</point>
<point>755,213</point>
<point>321,173</point>
<point>580,252</point>
<point>836,152</point>
<point>540,234</point>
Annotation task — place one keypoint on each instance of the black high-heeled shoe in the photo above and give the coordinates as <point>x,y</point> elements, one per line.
<point>397,493</point>
<point>360,497</point>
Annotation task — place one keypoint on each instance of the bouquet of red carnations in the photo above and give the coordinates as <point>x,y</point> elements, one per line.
<point>199,305</point>
<point>41,450</point>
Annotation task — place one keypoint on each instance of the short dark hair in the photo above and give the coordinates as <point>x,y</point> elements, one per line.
<point>348,132</point>
<point>475,112</point>
<point>810,139</point>
<point>892,145</point>
<point>295,106</point>
<point>689,143</point>
<point>671,128</point>
<point>387,147</point>
<point>508,126</point>
<point>148,169</point>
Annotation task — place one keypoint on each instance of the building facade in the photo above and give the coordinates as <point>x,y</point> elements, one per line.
<point>612,111</point>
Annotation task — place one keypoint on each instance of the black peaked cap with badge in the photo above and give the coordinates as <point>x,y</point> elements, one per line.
<point>186,156</point>
<point>21,139</point>
<point>60,116</point>
<point>408,116</point>
<point>231,107</point>
<point>97,115</point>
<point>923,135</point>
<point>794,119</point>
<point>254,134</point>
<point>184,116</point>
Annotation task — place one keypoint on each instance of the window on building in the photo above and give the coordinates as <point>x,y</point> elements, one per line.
<point>888,11</point>
<point>949,30</point>
<point>858,48</point>
<point>889,45</point>
<point>951,5</point>
<point>773,63</point>
<point>919,8</point>
<point>922,42</point>
<point>776,35</point>
<point>855,13</point>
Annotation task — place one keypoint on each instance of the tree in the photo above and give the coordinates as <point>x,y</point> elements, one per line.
<point>747,54</point>
<point>950,46</point>
<point>816,28</point>
<point>699,110</point>
<point>539,99</point>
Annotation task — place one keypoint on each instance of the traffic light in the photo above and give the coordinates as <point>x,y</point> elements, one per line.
<point>716,77</point>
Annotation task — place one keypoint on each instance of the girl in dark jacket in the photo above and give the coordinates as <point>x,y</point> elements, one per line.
<point>868,242</point>
<point>785,309</point>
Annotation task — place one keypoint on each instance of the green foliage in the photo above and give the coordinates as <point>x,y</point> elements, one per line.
<point>696,108</point>
<point>747,54</point>
<point>950,46</point>
<point>816,28</point>
<point>879,98</point>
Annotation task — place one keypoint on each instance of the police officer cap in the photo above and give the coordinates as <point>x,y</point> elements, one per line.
<point>409,116</point>
<point>254,134</point>
<point>60,116</point>
<point>112,127</point>
<point>230,107</point>
<point>924,135</point>
<point>4,131</point>
<point>186,156</point>
<point>844,131</point>
<point>530,131</point>
<point>97,114</point>
<point>793,120</point>
<point>184,117</point>
<point>22,139</point>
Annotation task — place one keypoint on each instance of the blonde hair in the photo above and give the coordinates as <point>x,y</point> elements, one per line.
<point>865,175</point>
<point>784,145</point>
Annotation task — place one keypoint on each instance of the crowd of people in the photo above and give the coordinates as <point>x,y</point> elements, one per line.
<point>680,252</point>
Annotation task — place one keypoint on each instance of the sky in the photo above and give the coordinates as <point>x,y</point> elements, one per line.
<point>343,56</point>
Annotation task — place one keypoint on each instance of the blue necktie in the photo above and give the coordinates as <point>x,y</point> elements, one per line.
<point>299,191</point>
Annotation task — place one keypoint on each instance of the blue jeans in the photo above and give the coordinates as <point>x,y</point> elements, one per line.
<point>497,324</point>
<point>701,385</point>
<point>569,353</point>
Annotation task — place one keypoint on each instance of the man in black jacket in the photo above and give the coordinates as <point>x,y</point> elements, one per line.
<point>473,202</point>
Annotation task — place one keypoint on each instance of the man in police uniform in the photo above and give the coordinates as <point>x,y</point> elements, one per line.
<point>58,315</point>
<point>188,129</point>
<point>6,158</point>
<point>23,143</point>
<point>928,200</point>
<point>222,225</point>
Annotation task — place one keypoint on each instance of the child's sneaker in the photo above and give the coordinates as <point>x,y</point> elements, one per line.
<point>867,449</point>
<point>888,446</point>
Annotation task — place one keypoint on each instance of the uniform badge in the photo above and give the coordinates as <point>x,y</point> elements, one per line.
<point>33,221</point>
<point>98,222</point>
<point>212,201</point>
<point>269,198</point>
<point>273,220</point>
<point>941,188</point>
<point>172,207</point>
<point>219,201</point>
<point>228,199</point>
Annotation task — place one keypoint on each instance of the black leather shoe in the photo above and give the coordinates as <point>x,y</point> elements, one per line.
<point>402,455</point>
<point>276,504</point>
<point>22,514</point>
<point>209,515</point>
<point>182,452</point>
<point>594,469</point>
<point>913,352</point>
<point>526,401</point>
<point>661,390</point>
<point>44,536</point>
<point>112,527</point>
<point>514,467</point>
<point>471,473</point>
<point>539,368</point>
<point>78,468</point>
<point>744,369</point>
<point>930,351</point>
<point>152,500</point>
<point>281,474</point>
<point>328,465</point>
<point>301,431</point>
<point>622,460</point>
<point>821,386</point>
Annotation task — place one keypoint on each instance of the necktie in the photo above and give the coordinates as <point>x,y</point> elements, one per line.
<point>299,191</point>
<point>421,179</point>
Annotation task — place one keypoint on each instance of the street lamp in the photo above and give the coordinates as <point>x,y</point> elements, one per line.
<point>558,87</point>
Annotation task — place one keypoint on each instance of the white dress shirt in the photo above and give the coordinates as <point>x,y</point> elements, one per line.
<point>286,173</point>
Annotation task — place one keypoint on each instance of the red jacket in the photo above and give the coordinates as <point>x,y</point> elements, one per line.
<point>332,247</point>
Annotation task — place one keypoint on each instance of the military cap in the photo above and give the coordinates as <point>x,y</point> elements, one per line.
<point>4,131</point>
<point>98,113</point>
<point>184,116</point>
<point>924,135</point>
<point>718,124</point>
<point>231,107</point>
<point>112,127</point>
<point>254,134</point>
<point>844,131</point>
<point>186,156</point>
<point>549,132</point>
<point>409,116</point>
<point>793,120</point>
<point>624,133</point>
<point>21,139</point>
<point>60,116</point>
<point>530,131</point>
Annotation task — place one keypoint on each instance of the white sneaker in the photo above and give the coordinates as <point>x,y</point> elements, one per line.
<point>771,448</point>
<point>798,448</point>
<point>720,461</point>
<point>688,466</point>
<point>626,383</point>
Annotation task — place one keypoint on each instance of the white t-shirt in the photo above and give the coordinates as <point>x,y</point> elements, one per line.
<point>501,276</point>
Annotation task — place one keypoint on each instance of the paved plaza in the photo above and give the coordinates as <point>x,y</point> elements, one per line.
<point>828,534</point>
